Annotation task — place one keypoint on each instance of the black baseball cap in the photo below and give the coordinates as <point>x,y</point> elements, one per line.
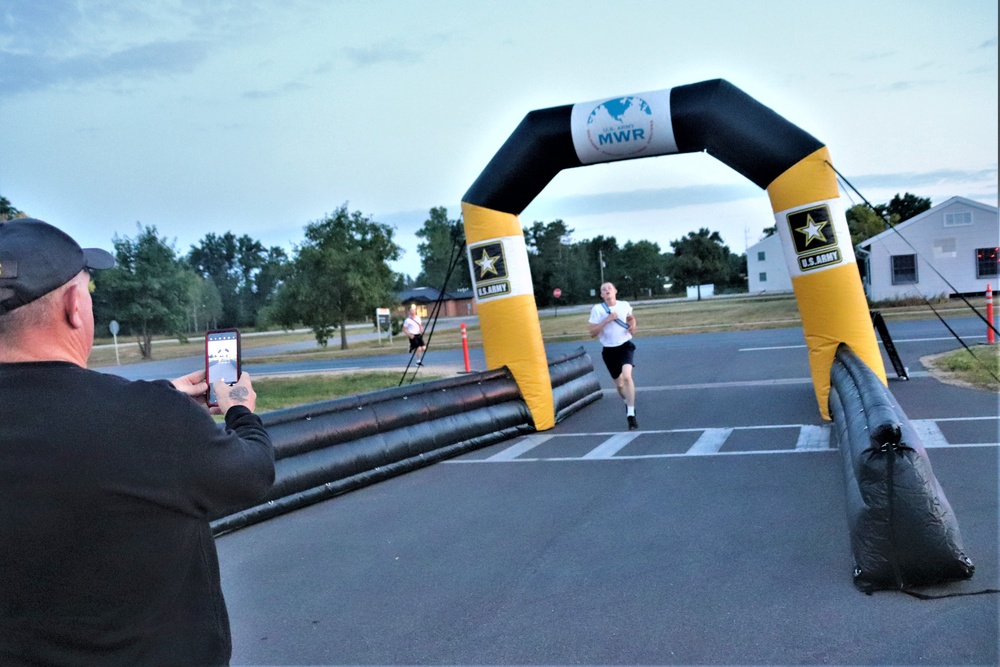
<point>36,258</point>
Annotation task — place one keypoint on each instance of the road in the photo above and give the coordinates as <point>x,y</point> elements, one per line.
<point>714,535</point>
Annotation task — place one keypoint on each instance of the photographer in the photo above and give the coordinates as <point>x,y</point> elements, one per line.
<point>107,486</point>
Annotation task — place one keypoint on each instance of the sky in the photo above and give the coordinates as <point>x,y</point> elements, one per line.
<point>259,116</point>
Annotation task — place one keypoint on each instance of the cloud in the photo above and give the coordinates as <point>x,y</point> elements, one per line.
<point>22,73</point>
<point>394,51</point>
<point>914,180</point>
<point>28,24</point>
<point>290,87</point>
<point>875,55</point>
<point>386,52</point>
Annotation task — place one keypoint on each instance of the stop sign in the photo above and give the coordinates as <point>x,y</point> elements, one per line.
<point>557,292</point>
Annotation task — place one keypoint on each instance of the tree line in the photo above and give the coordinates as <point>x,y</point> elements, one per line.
<point>577,268</point>
<point>340,272</point>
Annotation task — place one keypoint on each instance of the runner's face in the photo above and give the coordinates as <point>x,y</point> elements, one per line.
<point>608,292</point>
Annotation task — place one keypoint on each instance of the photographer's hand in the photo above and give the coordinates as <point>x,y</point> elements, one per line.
<point>194,385</point>
<point>241,393</point>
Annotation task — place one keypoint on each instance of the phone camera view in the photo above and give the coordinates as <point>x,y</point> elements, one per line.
<point>222,353</point>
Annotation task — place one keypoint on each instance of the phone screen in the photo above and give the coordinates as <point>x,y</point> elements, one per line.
<point>222,359</point>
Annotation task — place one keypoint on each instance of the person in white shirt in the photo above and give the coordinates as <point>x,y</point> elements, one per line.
<point>414,329</point>
<point>613,323</point>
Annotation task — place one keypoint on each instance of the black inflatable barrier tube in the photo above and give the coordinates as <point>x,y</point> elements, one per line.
<point>328,448</point>
<point>903,531</point>
<point>574,383</point>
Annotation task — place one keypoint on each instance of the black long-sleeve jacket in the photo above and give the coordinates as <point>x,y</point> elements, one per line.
<point>106,489</point>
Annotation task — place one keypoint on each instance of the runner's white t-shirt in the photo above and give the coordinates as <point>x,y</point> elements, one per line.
<point>411,325</point>
<point>613,334</point>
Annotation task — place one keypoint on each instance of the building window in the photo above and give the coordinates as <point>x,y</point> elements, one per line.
<point>986,262</point>
<point>763,276</point>
<point>958,219</point>
<point>904,269</point>
<point>760,256</point>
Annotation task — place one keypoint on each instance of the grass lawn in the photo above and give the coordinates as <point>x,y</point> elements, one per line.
<point>661,318</point>
<point>675,316</point>
<point>979,366</point>
<point>274,393</point>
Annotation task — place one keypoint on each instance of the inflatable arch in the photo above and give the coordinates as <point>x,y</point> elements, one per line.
<point>711,116</point>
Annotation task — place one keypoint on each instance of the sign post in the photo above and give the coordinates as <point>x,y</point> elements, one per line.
<point>557,293</point>
<point>382,319</point>
<point>114,332</point>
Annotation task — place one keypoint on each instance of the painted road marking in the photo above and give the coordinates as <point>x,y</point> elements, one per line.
<point>901,340</point>
<point>811,438</point>
<point>929,433</point>
<point>520,447</point>
<point>612,445</point>
<point>710,442</point>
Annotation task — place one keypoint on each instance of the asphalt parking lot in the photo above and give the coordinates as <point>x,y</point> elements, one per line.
<point>716,534</point>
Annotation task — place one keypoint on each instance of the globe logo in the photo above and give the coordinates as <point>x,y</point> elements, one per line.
<point>621,127</point>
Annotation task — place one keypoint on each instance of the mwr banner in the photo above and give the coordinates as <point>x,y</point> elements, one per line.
<point>623,128</point>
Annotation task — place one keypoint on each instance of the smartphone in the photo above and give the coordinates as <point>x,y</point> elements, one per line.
<point>222,359</point>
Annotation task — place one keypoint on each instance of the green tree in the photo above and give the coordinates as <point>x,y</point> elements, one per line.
<point>443,242</point>
<point>900,209</point>
<point>147,291</point>
<point>205,303</point>
<point>556,261</point>
<point>668,261</point>
<point>340,272</point>
<point>642,265</point>
<point>215,258</point>
<point>737,272</point>
<point>7,210</point>
<point>245,273</point>
<point>259,288</point>
<point>602,258</point>
<point>699,258</point>
<point>863,223</point>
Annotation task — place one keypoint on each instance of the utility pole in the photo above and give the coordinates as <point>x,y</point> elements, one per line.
<point>600,258</point>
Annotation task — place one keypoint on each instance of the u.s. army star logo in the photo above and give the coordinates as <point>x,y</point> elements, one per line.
<point>489,261</point>
<point>489,271</point>
<point>812,230</point>
<point>814,238</point>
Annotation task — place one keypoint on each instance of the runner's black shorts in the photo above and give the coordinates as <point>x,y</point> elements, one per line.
<point>416,341</point>
<point>616,357</point>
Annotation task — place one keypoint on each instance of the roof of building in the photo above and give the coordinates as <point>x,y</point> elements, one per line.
<point>431,295</point>
<point>769,240</point>
<point>929,212</point>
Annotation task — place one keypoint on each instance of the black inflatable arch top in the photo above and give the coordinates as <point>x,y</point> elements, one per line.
<point>712,116</point>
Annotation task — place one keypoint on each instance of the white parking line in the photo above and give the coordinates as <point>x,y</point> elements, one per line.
<point>811,438</point>
<point>929,433</point>
<point>612,445</point>
<point>520,447</point>
<point>901,340</point>
<point>710,442</point>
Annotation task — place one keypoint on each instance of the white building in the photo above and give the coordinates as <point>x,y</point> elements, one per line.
<point>766,267</point>
<point>949,249</point>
